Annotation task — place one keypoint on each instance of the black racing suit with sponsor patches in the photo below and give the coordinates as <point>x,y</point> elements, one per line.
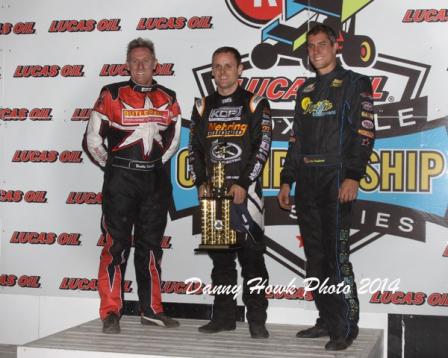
<point>332,139</point>
<point>241,122</point>
<point>141,126</point>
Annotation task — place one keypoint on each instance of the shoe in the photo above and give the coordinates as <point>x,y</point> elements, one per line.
<point>313,332</point>
<point>338,344</point>
<point>258,331</point>
<point>158,319</point>
<point>111,324</point>
<point>217,326</point>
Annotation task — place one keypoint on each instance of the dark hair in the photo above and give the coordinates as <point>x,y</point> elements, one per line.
<point>139,42</point>
<point>327,30</point>
<point>228,49</point>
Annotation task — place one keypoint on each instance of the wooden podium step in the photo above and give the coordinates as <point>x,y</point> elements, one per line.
<point>136,341</point>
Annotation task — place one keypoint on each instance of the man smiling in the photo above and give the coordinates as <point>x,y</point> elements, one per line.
<point>240,121</point>
<point>140,120</point>
<point>331,142</point>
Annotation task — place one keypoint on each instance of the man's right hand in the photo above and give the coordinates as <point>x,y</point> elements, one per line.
<point>283,197</point>
<point>203,190</point>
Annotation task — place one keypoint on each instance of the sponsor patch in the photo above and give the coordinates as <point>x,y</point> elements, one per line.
<point>309,88</point>
<point>226,130</point>
<point>306,101</point>
<point>265,145</point>
<point>367,115</point>
<point>265,128</point>
<point>336,83</point>
<point>366,95</point>
<point>225,114</point>
<point>133,117</point>
<point>307,160</point>
<point>367,106</point>
<point>256,171</point>
<point>266,121</point>
<point>226,153</point>
<point>366,133</point>
<point>367,124</point>
<point>319,109</point>
<point>365,142</point>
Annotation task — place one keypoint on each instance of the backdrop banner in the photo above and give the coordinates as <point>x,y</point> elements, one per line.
<point>57,55</point>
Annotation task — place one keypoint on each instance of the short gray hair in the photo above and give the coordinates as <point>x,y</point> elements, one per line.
<point>139,42</point>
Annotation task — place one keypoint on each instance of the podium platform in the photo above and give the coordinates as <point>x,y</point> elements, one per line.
<point>136,341</point>
<point>8,351</point>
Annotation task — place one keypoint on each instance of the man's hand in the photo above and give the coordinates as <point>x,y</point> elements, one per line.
<point>283,197</point>
<point>204,190</point>
<point>348,190</point>
<point>238,193</point>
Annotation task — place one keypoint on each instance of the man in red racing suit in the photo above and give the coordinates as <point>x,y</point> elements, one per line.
<point>140,120</point>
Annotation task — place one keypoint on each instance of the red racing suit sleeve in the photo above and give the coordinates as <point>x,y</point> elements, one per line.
<point>95,133</point>
<point>173,131</point>
<point>196,146</point>
<point>362,129</point>
<point>260,137</point>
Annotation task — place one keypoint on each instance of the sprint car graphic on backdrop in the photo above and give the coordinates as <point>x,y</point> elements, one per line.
<point>406,181</point>
<point>281,39</point>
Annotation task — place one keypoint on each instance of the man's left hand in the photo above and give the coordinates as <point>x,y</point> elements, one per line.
<point>238,193</point>
<point>348,190</point>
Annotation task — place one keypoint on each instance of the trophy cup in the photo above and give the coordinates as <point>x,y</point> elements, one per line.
<point>216,233</point>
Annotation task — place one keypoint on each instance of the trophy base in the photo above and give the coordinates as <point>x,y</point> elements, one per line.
<point>203,248</point>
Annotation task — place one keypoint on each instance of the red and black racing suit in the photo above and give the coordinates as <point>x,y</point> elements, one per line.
<point>332,139</point>
<point>241,122</point>
<point>142,129</point>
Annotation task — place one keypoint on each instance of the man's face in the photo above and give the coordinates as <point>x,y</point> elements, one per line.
<point>226,72</point>
<point>322,53</point>
<point>141,64</point>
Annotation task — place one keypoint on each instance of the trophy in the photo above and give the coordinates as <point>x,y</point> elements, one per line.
<point>216,233</point>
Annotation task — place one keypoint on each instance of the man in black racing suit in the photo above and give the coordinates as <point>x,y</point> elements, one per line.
<point>140,120</point>
<point>331,142</point>
<point>241,121</point>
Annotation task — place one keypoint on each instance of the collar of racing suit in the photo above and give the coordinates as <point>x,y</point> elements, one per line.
<point>229,98</point>
<point>140,88</point>
<point>330,75</point>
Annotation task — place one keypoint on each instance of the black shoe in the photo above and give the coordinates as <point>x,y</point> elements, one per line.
<point>313,332</point>
<point>217,326</point>
<point>111,324</point>
<point>258,330</point>
<point>338,344</point>
<point>159,319</point>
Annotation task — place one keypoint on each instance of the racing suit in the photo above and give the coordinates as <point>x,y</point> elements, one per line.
<point>242,122</point>
<point>332,139</point>
<point>142,128</point>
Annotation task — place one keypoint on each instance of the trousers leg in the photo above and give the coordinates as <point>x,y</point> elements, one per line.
<point>224,275</point>
<point>118,215</point>
<point>150,226</point>
<point>253,269</point>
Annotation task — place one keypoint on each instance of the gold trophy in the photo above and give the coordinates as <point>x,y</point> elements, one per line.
<point>216,233</point>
